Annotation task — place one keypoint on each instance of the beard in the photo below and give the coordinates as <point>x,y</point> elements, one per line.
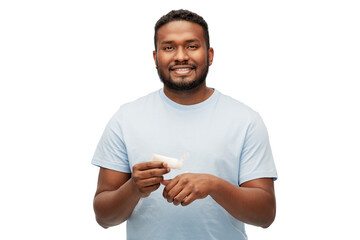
<point>183,85</point>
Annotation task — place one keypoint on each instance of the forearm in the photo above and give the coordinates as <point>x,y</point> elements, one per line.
<point>254,206</point>
<point>114,207</point>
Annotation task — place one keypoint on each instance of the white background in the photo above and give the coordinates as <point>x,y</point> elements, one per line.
<point>66,67</point>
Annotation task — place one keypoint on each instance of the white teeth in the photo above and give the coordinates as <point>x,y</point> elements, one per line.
<point>182,69</point>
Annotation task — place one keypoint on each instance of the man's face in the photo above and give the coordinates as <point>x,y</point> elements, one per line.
<point>182,58</point>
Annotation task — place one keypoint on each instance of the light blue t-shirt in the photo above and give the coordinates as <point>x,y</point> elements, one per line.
<point>221,136</point>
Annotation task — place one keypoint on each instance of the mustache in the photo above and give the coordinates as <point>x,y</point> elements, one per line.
<point>182,64</point>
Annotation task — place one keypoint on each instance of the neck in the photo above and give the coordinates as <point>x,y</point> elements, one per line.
<point>189,97</point>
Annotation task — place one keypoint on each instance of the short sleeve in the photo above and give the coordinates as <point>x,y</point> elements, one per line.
<point>111,150</point>
<point>256,160</point>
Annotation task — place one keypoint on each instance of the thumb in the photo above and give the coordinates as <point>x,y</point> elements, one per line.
<point>165,182</point>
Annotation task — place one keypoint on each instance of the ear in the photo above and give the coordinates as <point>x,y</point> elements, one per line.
<point>155,57</point>
<point>211,55</point>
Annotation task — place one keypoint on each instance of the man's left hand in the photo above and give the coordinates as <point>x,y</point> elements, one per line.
<point>187,187</point>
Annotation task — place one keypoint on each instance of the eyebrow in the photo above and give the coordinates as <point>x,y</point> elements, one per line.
<point>192,40</point>
<point>167,42</point>
<point>187,41</point>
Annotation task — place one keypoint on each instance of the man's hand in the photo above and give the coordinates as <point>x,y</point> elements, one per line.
<point>187,187</point>
<point>147,176</point>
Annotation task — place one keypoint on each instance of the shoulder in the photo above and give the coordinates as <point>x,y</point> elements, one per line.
<point>138,106</point>
<point>145,101</point>
<point>236,108</point>
<point>246,118</point>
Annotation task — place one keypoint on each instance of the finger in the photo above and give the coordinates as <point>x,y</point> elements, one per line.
<point>178,193</point>
<point>172,183</point>
<point>152,173</point>
<point>181,196</point>
<point>149,165</point>
<point>150,181</point>
<point>166,182</point>
<point>169,186</point>
<point>176,185</point>
<point>189,199</point>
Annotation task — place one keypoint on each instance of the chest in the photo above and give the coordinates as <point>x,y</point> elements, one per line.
<point>213,144</point>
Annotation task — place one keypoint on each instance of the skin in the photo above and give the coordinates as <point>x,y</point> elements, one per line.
<point>118,193</point>
<point>181,44</point>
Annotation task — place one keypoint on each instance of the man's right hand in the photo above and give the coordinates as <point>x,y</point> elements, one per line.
<point>147,176</point>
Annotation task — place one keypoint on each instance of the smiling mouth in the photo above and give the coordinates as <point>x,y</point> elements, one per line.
<point>182,70</point>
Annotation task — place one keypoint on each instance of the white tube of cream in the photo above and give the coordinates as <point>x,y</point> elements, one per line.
<point>172,162</point>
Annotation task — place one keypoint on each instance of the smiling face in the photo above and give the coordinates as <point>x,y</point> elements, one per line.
<point>182,57</point>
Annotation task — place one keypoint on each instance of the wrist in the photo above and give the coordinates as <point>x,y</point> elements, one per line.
<point>213,184</point>
<point>134,188</point>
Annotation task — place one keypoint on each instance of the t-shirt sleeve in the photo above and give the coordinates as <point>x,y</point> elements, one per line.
<point>256,160</point>
<point>111,150</point>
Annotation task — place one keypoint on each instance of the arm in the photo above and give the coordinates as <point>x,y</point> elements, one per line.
<point>253,202</point>
<point>118,193</point>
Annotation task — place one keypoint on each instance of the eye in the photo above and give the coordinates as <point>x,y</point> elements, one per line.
<point>168,48</point>
<point>192,47</point>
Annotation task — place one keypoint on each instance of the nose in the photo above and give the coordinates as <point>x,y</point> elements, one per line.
<point>181,55</point>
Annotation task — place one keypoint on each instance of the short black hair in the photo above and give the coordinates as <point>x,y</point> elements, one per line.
<point>186,15</point>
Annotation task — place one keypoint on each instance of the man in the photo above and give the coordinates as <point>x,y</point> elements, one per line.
<point>227,179</point>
